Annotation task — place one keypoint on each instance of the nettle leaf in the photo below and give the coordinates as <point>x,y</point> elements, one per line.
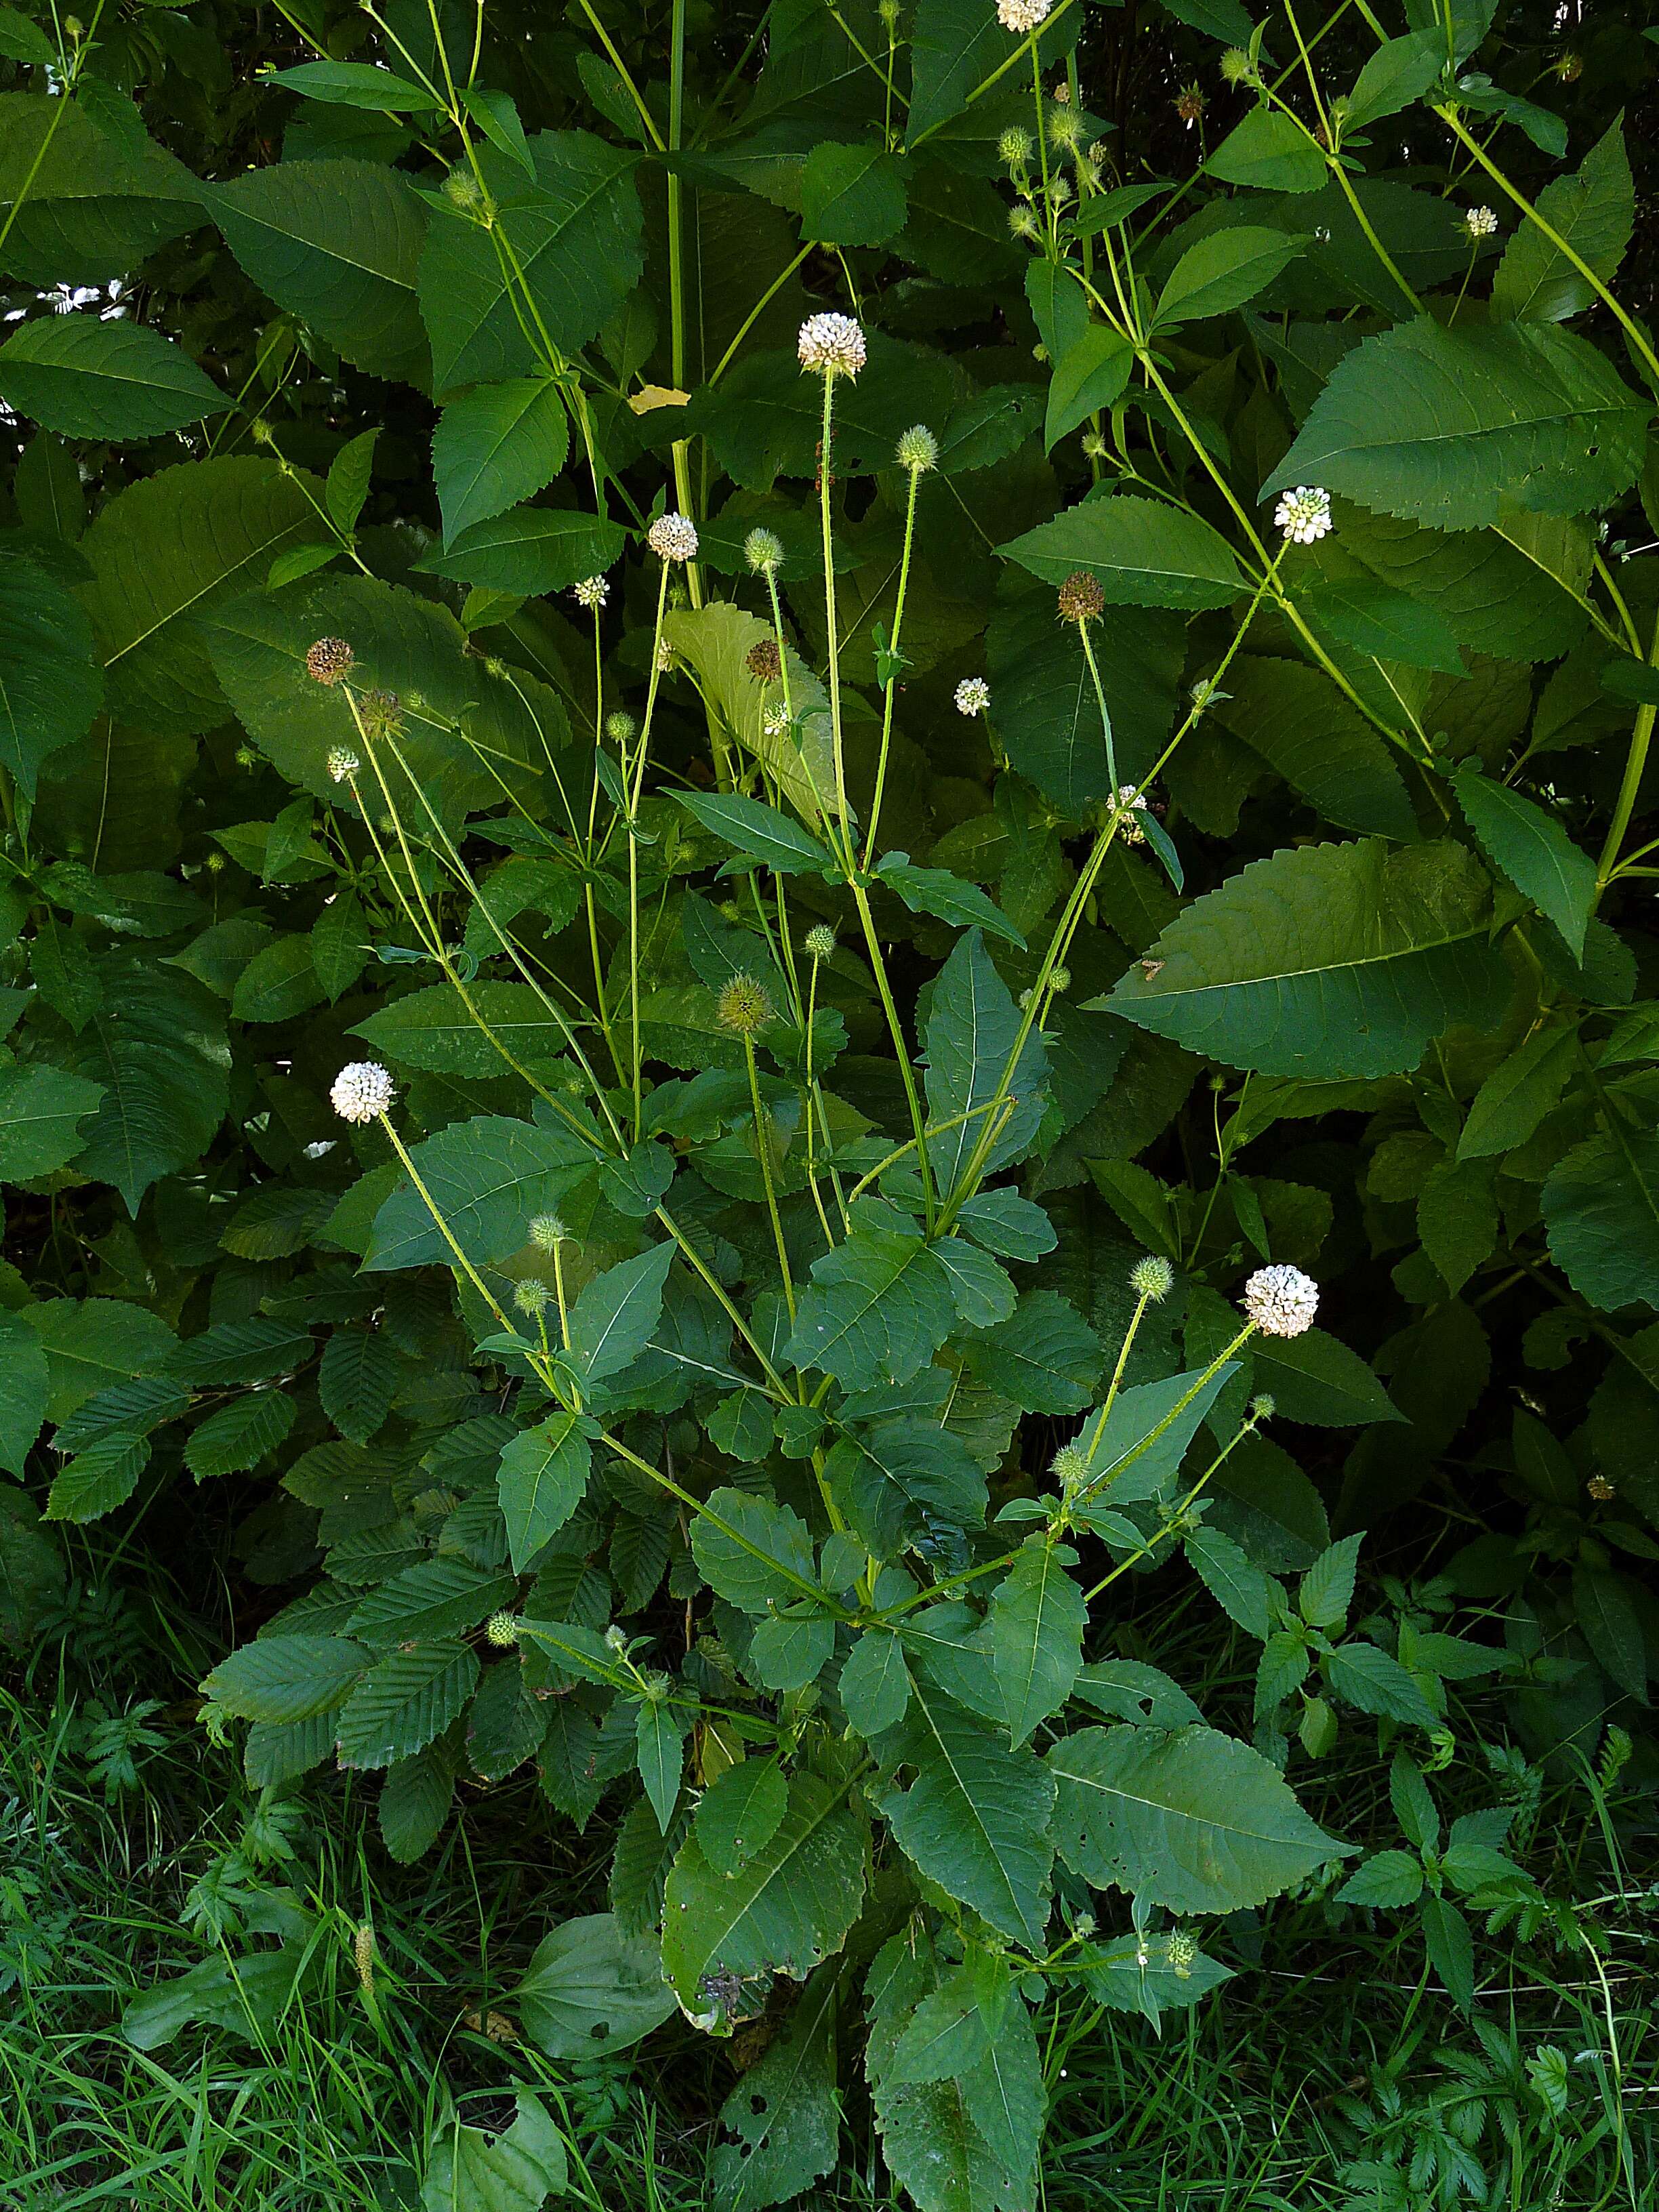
<point>784,1910</point>
<point>40,1110</point>
<point>1289,713</point>
<point>156,1048</point>
<point>891,1476</point>
<point>498,444</point>
<point>1188,1818</point>
<point>1601,1206</point>
<point>89,377</point>
<point>852,195</point>
<point>974,1818</point>
<point>1045,1358</point>
<point>877,1308</point>
<point>1271,151</point>
<point>338,244</point>
<point>489,1178</point>
<point>1444,426</point>
<point>1329,961</point>
<point>541,1482</point>
<point>784,2109</point>
<point>1141,553</point>
<point>1533,850</point>
<point>616,1316</point>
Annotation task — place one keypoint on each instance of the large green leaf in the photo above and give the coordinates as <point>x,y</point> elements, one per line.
<point>25,1389</point>
<point>50,686</point>
<point>1142,553</point>
<point>973,1027</point>
<point>406,1701</point>
<point>284,1678</point>
<point>1332,960</point>
<point>589,1987</point>
<point>337,243</point>
<point>88,378</point>
<point>1223,270</point>
<point>574,231</point>
<point>784,1911</point>
<point>1043,696</point>
<point>1533,850</point>
<point>436,1029</point>
<point>40,1109</point>
<point>79,205</point>
<point>1187,1819</point>
<point>544,1473</point>
<point>957,45</point>
<point>1601,1207</point>
<point>1594,213</point>
<point>783,2109</point>
<point>616,1316</point>
<point>489,1178</point>
<point>530,549</point>
<point>1443,426</point>
<point>174,547</point>
<point>974,1819</point>
<point>156,1046</point>
<point>1037,1622</point>
<point>496,446</point>
<point>1303,729</point>
<point>877,1307</point>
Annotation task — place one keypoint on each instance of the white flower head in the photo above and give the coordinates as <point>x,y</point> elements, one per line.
<point>362,1091</point>
<point>1022,16</point>
<point>775,720</point>
<point>672,537</point>
<point>831,344</point>
<point>1481,222</point>
<point>342,764</point>
<point>591,593</point>
<point>1128,802</point>
<point>664,657</point>
<point>1304,515</point>
<point>973,695</point>
<point>1281,1301</point>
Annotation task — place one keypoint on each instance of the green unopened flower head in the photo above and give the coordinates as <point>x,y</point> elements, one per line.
<point>1237,66</point>
<point>502,1630</point>
<point>531,1296</point>
<point>214,864</point>
<point>820,941</point>
<point>1023,221</point>
<point>1152,1278</point>
<point>1059,982</point>
<point>1070,1467</point>
<point>381,713</point>
<point>1262,1407</point>
<point>548,1231</point>
<point>1065,126</point>
<point>742,1006</point>
<point>918,449</point>
<point>763,550</point>
<point>246,758</point>
<point>620,727</point>
<point>1014,148</point>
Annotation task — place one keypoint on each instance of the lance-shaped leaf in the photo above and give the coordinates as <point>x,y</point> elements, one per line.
<point>1533,850</point>
<point>1187,1819</point>
<point>974,1819</point>
<point>1036,1634</point>
<point>543,1476</point>
<point>284,1678</point>
<point>784,2109</point>
<point>937,891</point>
<point>400,1705</point>
<point>785,1910</point>
<point>616,1316</point>
<point>877,1308</point>
<point>973,1027</point>
<point>1289,714</point>
<point>1327,961</point>
<point>87,378</point>
<point>1135,1451</point>
<point>758,832</point>
<point>1442,426</point>
<point>500,444</point>
<point>1594,213</point>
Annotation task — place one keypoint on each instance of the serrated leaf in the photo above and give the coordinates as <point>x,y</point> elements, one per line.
<point>740,1812</point>
<point>1036,1634</point>
<point>1187,1819</point>
<point>40,1109</point>
<point>876,1310</point>
<point>49,685</point>
<point>1046,1358</point>
<point>239,1435</point>
<point>284,1678</point>
<point>752,1550</point>
<point>1328,960</point>
<point>406,1701</point>
<point>784,2108</point>
<point>1289,713</point>
<point>1222,272</point>
<point>1533,851</point>
<point>1594,212</point>
<point>542,1479</point>
<point>85,377</point>
<point>1601,1207</point>
<point>973,1027</point>
<point>1141,553</point>
<point>1388,1881</point>
<point>358,1381</point>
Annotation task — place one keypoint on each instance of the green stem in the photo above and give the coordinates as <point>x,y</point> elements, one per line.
<point>891,688</point>
<point>1636,761</point>
<point>764,1148</point>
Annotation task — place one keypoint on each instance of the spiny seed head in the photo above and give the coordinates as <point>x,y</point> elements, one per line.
<point>672,537</point>
<point>531,1296</point>
<point>973,696</point>
<point>591,593</point>
<point>1152,1278</point>
<point>381,713</point>
<point>246,758</point>
<point>461,190</point>
<point>502,1630</point>
<point>329,660</point>
<point>1237,66</point>
<point>1080,598</point>
<point>918,449</point>
<point>833,345</point>
<point>214,864</point>
<point>1020,17</point>
<point>819,941</point>
<point>764,660</point>
<point>1304,515</point>
<point>1070,1467</point>
<point>1263,1406</point>
<point>1015,147</point>
<point>763,550</point>
<point>1066,127</point>
<point>362,1091</point>
<point>1569,68</point>
<point>342,764</point>
<point>547,1232</point>
<point>1281,1301</point>
<point>1480,222</point>
<point>1094,446</point>
<point>620,726</point>
<point>742,1006</point>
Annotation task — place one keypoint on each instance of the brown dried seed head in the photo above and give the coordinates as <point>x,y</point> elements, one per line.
<point>1081,597</point>
<point>763,661</point>
<point>329,660</point>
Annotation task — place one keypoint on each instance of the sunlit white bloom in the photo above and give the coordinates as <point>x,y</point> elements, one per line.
<point>342,764</point>
<point>592,593</point>
<point>832,345</point>
<point>973,695</point>
<point>362,1091</point>
<point>1303,514</point>
<point>1482,221</point>
<point>1022,16</point>
<point>1281,1301</point>
<point>672,537</point>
